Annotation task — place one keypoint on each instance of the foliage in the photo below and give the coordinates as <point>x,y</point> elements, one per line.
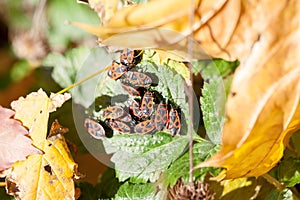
<point>252,114</point>
<point>180,168</point>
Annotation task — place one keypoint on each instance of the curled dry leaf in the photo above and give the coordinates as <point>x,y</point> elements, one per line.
<point>47,176</point>
<point>57,100</point>
<point>262,110</point>
<point>14,143</point>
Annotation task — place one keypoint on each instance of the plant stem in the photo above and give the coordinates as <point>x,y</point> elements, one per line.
<point>190,93</point>
<point>2,184</point>
<point>273,181</point>
<point>83,80</point>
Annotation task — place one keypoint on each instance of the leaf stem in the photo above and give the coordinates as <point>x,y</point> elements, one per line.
<point>273,181</point>
<point>83,80</point>
<point>2,184</point>
<point>279,186</point>
<point>190,93</point>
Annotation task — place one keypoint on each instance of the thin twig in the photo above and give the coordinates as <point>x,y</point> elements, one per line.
<point>81,81</point>
<point>190,93</point>
<point>273,181</point>
<point>279,186</point>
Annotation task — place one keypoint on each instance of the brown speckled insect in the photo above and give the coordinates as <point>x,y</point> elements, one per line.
<point>131,90</point>
<point>161,116</point>
<point>147,105</point>
<point>119,126</point>
<point>138,79</point>
<point>144,127</point>
<point>174,124</point>
<point>117,70</point>
<point>94,128</point>
<point>113,112</point>
<point>130,57</point>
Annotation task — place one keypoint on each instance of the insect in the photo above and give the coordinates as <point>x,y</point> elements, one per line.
<point>119,126</point>
<point>174,122</point>
<point>144,127</point>
<point>138,78</point>
<point>117,70</point>
<point>161,116</point>
<point>131,90</point>
<point>134,107</point>
<point>130,57</point>
<point>94,128</point>
<point>113,112</point>
<point>126,117</point>
<point>147,105</point>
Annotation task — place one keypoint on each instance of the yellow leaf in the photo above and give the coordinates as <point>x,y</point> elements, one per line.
<point>263,108</point>
<point>166,26</point>
<point>104,8</point>
<point>47,176</point>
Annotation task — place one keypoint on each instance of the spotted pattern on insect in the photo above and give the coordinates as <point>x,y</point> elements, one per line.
<point>147,105</point>
<point>134,107</point>
<point>126,117</point>
<point>144,127</point>
<point>138,79</point>
<point>117,70</point>
<point>174,122</point>
<point>119,126</point>
<point>131,90</point>
<point>113,112</point>
<point>161,116</point>
<point>94,128</point>
<point>130,57</point>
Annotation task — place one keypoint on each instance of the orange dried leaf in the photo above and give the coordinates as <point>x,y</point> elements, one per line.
<point>263,108</point>
<point>47,176</point>
<point>14,143</point>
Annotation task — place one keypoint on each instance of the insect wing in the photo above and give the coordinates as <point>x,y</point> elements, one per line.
<point>127,56</point>
<point>161,116</point>
<point>130,57</point>
<point>138,78</point>
<point>147,106</point>
<point>126,117</point>
<point>144,127</point>
<point>116,70</point>
<point>134,107</point>
<point>94,128</point>
<point>119,126</point>
<point>131,90</point>
<point>174,122</point>
<point>113,112</point>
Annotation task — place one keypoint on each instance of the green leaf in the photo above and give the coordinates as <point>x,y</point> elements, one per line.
<point>288,171</point>
<point>218,76</point>
<point>172,87</point>
<point>180,168</point>
<point>65,68</point>
<point>19,70</point>
<point>136,191</point>
<point>143,157</point>
<point>60,34</point>
<point>77,65</point>
<point>213,108</point>
<point>214,68</point>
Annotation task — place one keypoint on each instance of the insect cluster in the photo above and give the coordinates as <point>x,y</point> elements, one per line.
<point>145,111</point>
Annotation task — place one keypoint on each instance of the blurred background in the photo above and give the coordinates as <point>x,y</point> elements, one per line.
<point>29,30</point>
